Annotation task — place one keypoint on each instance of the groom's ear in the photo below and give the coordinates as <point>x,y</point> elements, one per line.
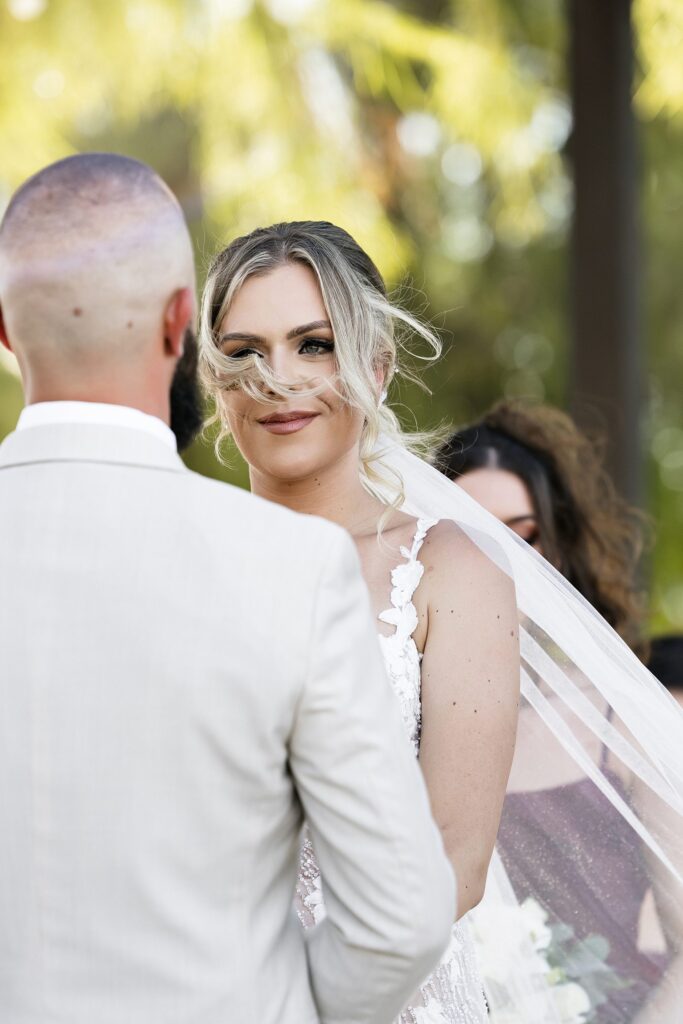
<point>178,316</point>
<point>3,332</point>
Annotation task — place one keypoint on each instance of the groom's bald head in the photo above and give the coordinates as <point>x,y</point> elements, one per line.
<point>92,251</point>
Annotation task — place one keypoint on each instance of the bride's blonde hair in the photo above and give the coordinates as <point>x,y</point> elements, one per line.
<point>371,333</point>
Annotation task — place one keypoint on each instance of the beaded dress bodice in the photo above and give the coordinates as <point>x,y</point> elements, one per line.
<point>453,994</point>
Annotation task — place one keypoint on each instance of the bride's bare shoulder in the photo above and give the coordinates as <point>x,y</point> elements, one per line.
<point>446,541</point>
<point>456,563</point>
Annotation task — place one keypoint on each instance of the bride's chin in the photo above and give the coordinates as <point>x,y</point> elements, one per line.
<point>289,468</point>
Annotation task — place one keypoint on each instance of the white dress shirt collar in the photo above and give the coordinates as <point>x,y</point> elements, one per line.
<point>48,413</point>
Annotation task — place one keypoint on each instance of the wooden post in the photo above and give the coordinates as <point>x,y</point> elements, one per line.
<point>606,363</point>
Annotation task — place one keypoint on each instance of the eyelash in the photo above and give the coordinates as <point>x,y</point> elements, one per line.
<point>320,343</point>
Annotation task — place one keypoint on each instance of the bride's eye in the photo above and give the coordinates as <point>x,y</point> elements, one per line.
<point>242,353</point>
<point>316,347</point>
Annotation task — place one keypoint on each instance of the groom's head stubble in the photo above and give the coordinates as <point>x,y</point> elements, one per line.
<point>97,288</point>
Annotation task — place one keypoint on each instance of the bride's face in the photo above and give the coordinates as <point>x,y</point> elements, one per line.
<point>281,317</point>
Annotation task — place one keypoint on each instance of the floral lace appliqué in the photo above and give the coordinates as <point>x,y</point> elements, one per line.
<point>400,652</point>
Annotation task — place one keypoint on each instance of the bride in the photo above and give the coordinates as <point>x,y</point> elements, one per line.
<point>298,347</point>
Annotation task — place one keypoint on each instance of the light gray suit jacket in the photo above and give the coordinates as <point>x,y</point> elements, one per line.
<point>185,671</point>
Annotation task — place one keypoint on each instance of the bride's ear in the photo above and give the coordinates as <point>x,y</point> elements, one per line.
<point>380,379</point>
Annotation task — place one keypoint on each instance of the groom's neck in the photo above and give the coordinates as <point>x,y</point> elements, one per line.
<point>146,400</point>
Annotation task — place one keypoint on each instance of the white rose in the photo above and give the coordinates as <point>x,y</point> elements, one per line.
<point>572,1003</point>
<point>504,939</point>
<point>535,918</point>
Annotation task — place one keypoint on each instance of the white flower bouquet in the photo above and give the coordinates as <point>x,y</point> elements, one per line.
<point>554,976</point>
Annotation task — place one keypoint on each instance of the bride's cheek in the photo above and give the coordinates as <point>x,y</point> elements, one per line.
<point>237,424</point>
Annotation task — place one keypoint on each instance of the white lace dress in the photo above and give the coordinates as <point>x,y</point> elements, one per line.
<point>453,994</point>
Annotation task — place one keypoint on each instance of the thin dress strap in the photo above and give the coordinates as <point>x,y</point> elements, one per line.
<point>421,530</point>
<point>405,579</point>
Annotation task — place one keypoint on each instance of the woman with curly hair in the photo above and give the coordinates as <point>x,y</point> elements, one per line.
<point>533,469</point>
<point>538,473</point>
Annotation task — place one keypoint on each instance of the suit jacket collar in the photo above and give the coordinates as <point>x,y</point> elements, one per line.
<point>86,442</point>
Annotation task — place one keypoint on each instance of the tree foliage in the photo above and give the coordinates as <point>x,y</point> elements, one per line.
<point>436,131</point>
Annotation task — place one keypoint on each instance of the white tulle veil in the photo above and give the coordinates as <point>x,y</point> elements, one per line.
<point>582,920</point>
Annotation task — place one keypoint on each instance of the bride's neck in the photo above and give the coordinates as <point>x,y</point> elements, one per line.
<point>335,493</point>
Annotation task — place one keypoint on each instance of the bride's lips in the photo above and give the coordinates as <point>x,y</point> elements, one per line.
<point>287,422</point>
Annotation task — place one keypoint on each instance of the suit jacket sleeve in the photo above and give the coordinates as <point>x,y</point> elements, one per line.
<point>389,888</point>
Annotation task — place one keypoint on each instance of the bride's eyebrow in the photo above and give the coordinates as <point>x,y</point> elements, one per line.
<point>239,336</point>
<point>315,325</point>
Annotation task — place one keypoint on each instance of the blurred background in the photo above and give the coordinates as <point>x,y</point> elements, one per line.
<point>513,166</point>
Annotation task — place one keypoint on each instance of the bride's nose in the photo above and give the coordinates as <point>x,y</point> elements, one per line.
<point>285,365</point>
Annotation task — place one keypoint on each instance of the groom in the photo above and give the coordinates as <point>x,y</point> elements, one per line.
<point>185,671</point>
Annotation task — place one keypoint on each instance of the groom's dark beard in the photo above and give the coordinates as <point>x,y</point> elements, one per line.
<point>186,399</point>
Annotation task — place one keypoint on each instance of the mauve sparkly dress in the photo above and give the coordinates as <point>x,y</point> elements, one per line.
<point>569,848</point>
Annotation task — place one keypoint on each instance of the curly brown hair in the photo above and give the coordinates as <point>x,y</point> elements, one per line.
<point>586,530</point>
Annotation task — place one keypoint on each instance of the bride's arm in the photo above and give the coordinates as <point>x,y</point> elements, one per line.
<point>470,699</point>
